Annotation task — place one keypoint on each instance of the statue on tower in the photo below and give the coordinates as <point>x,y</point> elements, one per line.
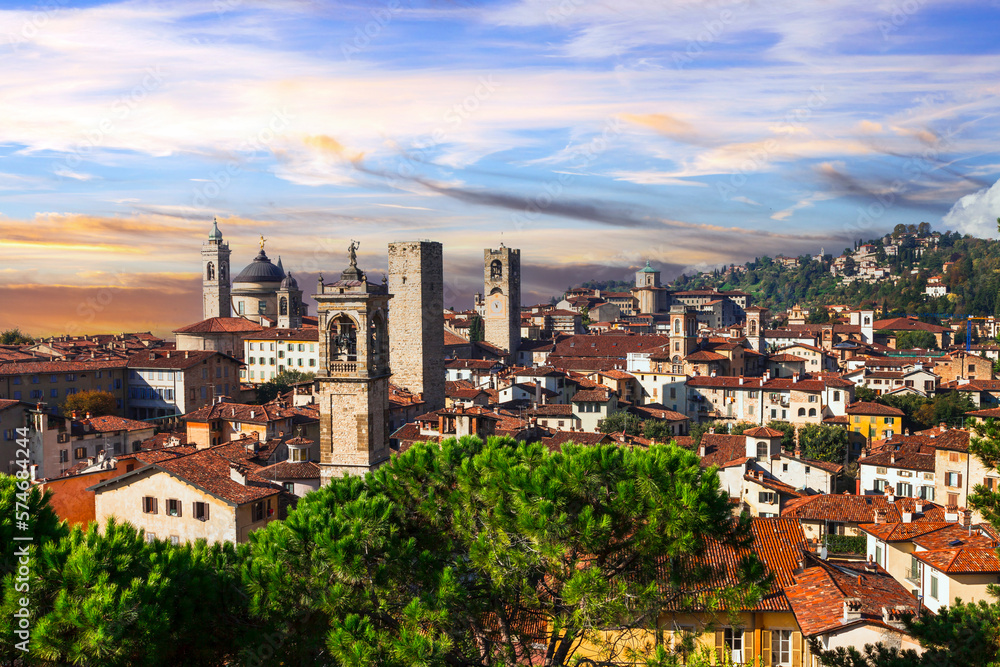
<point>262,240</point>
<point>352,251</point>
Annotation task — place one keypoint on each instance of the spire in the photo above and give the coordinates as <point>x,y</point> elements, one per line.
<point>280,268</point>
<point>215,234</point>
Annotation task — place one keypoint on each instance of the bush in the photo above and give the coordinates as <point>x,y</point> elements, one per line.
<point>846,544</point>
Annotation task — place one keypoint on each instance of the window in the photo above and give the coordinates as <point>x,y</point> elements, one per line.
<point>17,380</point>
<point>55,378</point>
<point>781,647</point>
<point>808,469</point>
<point>934,587</point>
<point>878,554</point>
<point>732,639</point>
<point>904,489</point>
<point>80,453</point>
<point>763,450</point>
<point>954,457</point>
<point>150,537</point>
<point>880,470</point>
<point>289,487</point>
<point>34,379</point>
<point>175,539</point>
<point>54,393</point>
<point>952,499</point>
<point>784,467</point>
<point>70,377</point>
<point>201,511</point>
<point>149,505</point>
<point>887,420</point>
<point>766,497</point>
<point>927,492</point>
<point>257,512</point>
<point>63,455</point>
<point>953,479</point>
<point>17,395</point>
<point>836,396</point>
<point>802,412</point>
<point>173,507</point>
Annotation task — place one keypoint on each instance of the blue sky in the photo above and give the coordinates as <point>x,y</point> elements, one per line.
<point>592,135</point>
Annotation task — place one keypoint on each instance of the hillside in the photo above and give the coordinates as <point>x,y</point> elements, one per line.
<point>972,280</point>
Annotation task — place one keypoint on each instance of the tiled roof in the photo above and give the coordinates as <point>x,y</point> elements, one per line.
<point>238,412</point>
<point>721,449</point>
<point>973,385</point>
<point>907,459</point>
<point>956,535</point>
<point>858,509</point>
<point>657,411</point>
<point>51,367</point>
<point>773,484</point>
<point>963,560</point>
<point>599,395</point>
<point>906,324</point>
<point>873,409</point>
<point>986,414</point>
<point>778,543</point>
<point>179,359</point>
<point>475,364</point>
<point>560,438</point>
<point>818,594</point>
<point>705,355</point>
<point>902,532</point>
<point>110,423</point>
<point>786,358</point>
<point>289,470</point>
<point>307,334</point>
<point>763,432</point>
<point>221,325</point>
<point>450,338</point>
<point>6,403</point>
<point>614,346</point>
<point>551,410</point>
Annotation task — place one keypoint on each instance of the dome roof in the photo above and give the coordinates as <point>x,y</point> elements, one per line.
<point>289,282</point>
<point>215,234</point>
<point>648,268</point>
<point>260,270</point>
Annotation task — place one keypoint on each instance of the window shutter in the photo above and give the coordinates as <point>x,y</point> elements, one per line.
<point>155,502</point>
<point>796,649</point>
<point>959,480</point>
<point>765,647</point>
<point>206,511</point>
<point>720,646</point>
<point>748,654</point>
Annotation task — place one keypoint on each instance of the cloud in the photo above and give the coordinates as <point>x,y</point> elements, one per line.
<point>976,213</point>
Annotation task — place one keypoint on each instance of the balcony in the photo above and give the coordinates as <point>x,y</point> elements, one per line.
<point>913,576</point>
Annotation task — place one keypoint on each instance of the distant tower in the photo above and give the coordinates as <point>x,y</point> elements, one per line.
<point>215,275</point>
<point>683,332</point>
<point>648,290</point>
<point>353,378</point>
<point>502,271</point>
<point>290,309</point>
<point>756,319</point>
<point>416,319</point>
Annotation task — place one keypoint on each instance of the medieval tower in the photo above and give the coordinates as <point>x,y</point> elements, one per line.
<point>215,275</point>
<point>416,319</point>
<point>502,297</point>
<point>353,378</point>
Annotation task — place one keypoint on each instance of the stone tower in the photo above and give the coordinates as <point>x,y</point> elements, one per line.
<point>756,319</point>
<point>683,332</point>
<point>416,319</point>
<point>290,308</point>
<point>353,378</point>
<point>215,275</point>
<point>648,291</point>
<point>502,272</point>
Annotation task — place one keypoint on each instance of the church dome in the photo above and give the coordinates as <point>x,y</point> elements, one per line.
<point>260,270</point>
<point>289,282</point>
<point>648,268</point>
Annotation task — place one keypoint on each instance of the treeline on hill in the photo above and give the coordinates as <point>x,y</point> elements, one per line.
<point>973,282</point>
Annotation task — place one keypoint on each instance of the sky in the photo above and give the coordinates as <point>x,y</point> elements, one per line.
<point>591,135</point>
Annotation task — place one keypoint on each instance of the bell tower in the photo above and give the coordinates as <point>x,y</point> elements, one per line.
<point>215,275</point>
<point>353,378</point>
<point>502,280</point>
<point>290,308</point>
<point>683,332</point>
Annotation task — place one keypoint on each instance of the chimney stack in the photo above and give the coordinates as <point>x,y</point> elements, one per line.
<point>880,516</point>
<point>701,451</point>
<point>852,609</point>
<point>966,518</point>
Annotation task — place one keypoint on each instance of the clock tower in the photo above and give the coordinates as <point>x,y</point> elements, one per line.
<point>353,377</point>
<point>502,298</point>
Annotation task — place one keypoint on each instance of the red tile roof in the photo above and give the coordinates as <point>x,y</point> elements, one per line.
<point>50,367</point>
<point>902,532</point>
<point>110,423</point>
<point>722,449</point>
<point>858,509</point>
<point>306,334</point>
<point>238,412</point>
<point>290,470</point>
<point>873,409</point>
<point>957,535</point>
<point>177,359</point>
<point>963,560</point>
<point>221,325</point>
<point>763,432</point>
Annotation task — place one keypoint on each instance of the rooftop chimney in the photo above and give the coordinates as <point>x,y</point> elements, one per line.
<point>701,451</point>
<point>966,518</point>
<point>880,516</point>
<point>238,475</point>
<point>852,609</point>
<point>918,506</point>
<point>890,496</point>
<point>895,616</point>
<point>907,517</point>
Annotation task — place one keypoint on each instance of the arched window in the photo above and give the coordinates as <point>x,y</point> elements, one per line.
<point>753,327</point>
<point>496,270</point>
<point>812,412</point>
<point>802,412</point>
<point>222,271</point>
<point>210,271</point>
<point>677,326</point>
<point>379,351</point>
<point>283,306</point>
<point>868,320</point>
<point>343,339</point>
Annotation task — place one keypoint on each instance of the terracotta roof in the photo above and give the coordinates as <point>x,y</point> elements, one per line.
<point>451,338</point>
<point>307,334</point>
<point>560,438</point>
<point>902,532</point>
<point>551,410</point>
<point>963,560</point>
<point>869,408</point>
<point>786,358</point>
<point>907,324</point>
<point>608,345</point>
<point>906,458</point>
<point>221,325</point>
<point>290,470</point>
<point>722,449</point>
<point>475,364</point>
<point>986,414</point>
<point>598,395</point>
<point>55,367</point>
<point>858,509</point>
<point>109,424</point>
<point>6,403</point>
<point>179,359</point>
<point>238,412</point>
<point>956,535</point>
<point>763,432</point>
<point>705,355</point>
<point>973,385</point>
<point>773,484</point>
<point>818,595</point>
<point>657,411</point>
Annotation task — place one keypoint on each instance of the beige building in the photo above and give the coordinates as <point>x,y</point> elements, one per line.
<point>218,334</point>
<point>165,383</point>
<point>51,382</point>
<point>216,494</point>
<point>271,352</point>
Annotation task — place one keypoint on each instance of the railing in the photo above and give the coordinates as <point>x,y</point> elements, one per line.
<point>913,575</point>
<point>342,368</point>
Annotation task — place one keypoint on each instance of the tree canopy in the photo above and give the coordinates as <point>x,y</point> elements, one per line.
<point>96,403</point>
<point>280,384</point>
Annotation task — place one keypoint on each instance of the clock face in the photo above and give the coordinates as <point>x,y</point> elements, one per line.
<point>497,305</point>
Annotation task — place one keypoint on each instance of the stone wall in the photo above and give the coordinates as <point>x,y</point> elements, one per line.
<point>354,429</point>
<point>416,319</point>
